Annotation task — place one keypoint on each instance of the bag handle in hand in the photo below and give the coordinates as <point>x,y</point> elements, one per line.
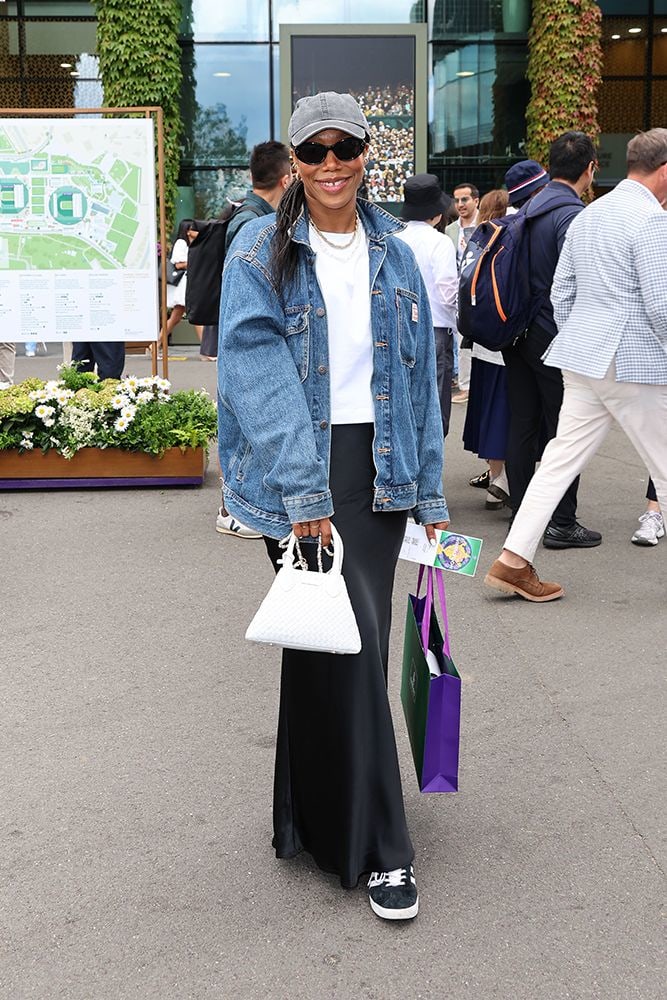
<point>338,550</point>
<point>426,620</point>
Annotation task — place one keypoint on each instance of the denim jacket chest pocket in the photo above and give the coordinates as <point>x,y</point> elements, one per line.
<point>407,319</point>
<point>297,335</point>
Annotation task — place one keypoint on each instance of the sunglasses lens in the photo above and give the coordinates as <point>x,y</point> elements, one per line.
<point>314,152</point>
<point>311,152</point>
<point>348,149</point>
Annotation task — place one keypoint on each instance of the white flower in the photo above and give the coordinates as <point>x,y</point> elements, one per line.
<point>63,396</point>
<point>121,424</point>
<point>49,422</point>
<point>26,442</point>
<point>128,412</point>
<point>119,401</point>
<point>39,395</point>
<point>162,383</point>
<point>144,397</point>
<point>145,381</point>
<point>44,412</point>
<point>130,384</point>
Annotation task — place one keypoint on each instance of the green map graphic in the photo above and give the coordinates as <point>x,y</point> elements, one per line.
<point>67,200</point>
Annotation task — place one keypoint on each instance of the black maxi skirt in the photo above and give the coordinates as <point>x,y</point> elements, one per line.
<point>337,788</point>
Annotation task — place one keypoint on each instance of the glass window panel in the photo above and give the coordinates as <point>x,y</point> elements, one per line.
<point>480,94</point>
<point>59,8</point>
<point>229,20</point>
<point>225,102</point>
<point>346,12</point>
<point>659,104</point>
<point>275,69</point>
<point>621,106</point>
<point>62,38</point>
<point>211,189</point>
<point>624,46</point>
<point>660,49</point>
<point>478,18</point>
<point>620,7</point>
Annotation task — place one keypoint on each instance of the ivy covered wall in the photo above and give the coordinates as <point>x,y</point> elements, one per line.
<point>564,70</point>
<point>140,64</point>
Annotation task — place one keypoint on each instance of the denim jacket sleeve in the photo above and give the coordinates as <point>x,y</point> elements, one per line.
<point>431,505</point>
<point>258,380</point>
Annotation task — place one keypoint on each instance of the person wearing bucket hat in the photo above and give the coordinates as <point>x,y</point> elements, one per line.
<point>423,207</point>
<point>523,180</point>
<point>322,310</point>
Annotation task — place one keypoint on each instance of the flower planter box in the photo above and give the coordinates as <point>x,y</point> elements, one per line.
<point>101,468</point>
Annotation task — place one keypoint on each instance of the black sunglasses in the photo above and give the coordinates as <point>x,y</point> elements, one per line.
<point>315,152</point>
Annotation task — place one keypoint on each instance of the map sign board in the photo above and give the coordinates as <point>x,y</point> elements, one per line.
<point>78,243</point>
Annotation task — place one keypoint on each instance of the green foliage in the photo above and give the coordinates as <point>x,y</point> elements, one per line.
<point>79,411</point>
<point>140,64</point>
<point>564,69</point>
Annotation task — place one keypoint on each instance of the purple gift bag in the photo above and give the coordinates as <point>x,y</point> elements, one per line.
<point>431,704</point>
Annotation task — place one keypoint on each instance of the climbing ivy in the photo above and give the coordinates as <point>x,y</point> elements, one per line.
<point>140,64</point>
<point>564,70</point>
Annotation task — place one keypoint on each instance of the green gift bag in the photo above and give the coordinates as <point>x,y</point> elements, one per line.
<point>431,701</point>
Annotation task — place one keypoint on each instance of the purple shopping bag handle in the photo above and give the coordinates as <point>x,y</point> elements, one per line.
<point>426,620</point>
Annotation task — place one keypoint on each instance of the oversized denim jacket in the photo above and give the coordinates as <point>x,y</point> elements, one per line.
<point>273,383</point>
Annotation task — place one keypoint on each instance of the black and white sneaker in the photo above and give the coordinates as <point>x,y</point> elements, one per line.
<point>393,895</point>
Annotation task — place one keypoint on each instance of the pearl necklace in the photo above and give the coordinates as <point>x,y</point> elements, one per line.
<point>338,246</point>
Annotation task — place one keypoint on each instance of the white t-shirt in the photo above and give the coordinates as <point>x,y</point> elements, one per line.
<point>344,282</point>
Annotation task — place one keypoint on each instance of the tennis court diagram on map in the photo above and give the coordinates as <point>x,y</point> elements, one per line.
<point>78,246</point>
<point>69,200</point>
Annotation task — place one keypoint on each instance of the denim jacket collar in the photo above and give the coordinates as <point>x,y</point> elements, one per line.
<point>377,223</point>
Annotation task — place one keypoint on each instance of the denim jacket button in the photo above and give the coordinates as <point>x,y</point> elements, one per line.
<point>322,369</point>
<point>323,424</point>
<point>319,312</point>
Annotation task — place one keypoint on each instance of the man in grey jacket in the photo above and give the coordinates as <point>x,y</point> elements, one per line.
<point>610,307</point>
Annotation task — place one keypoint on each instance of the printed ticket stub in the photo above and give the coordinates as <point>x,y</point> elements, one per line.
<point>453,551</point>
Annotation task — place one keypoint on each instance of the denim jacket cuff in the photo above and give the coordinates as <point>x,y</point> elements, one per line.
<point>310,508</point>
<point>431,511</point>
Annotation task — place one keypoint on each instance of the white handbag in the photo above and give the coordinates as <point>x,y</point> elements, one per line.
<point>306,609</point>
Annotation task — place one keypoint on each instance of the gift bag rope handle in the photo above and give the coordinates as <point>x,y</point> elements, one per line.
<point>426,620</point>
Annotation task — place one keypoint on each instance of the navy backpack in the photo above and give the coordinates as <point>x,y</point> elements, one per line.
<point>495,305</point>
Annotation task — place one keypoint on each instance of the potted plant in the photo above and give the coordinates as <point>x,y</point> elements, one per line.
<point>78,430</point>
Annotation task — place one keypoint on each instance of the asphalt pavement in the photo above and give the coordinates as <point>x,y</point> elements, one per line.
<point>136,757</point>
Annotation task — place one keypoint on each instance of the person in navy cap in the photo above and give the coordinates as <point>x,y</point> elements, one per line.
<point>523,180</point>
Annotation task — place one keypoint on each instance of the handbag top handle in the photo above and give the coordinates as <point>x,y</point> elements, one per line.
<point>426,620</point>
<point>338,551</point>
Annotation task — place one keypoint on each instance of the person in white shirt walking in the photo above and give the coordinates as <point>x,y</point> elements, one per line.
<point>610,307</point>
<point>423,207</point>
<point>466,201</point>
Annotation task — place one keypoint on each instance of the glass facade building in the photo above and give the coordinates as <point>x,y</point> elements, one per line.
<point>477,87</point>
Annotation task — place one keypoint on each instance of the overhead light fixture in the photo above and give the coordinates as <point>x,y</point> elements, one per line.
<point>634,31</point>
<point>66,65</point>
<point>222,74</point>
<point>615,37</point>
<point>663,31</point>
<point>74,72</point>
<point>466,72</point>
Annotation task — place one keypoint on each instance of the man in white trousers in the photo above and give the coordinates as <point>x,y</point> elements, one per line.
<point>610,306</point>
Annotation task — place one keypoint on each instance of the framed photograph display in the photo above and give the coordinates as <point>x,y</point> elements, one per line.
<point>384,68</point>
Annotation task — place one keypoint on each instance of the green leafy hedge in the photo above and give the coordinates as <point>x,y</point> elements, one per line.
<point>140,64</point>
<point>564,69</point>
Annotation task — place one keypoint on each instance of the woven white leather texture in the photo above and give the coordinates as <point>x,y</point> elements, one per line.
<point>308,610</point>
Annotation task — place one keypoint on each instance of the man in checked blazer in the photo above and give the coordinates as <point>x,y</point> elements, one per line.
<point>610,306</point>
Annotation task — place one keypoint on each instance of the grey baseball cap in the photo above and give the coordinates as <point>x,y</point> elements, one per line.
<point>328,110</point>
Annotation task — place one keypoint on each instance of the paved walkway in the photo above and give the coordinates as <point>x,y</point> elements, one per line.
<point>136,752</point>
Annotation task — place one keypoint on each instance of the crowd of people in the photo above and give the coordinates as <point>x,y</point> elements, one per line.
<point>310,436</point>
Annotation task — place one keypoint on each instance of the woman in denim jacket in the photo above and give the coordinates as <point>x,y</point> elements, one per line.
<point>328,410</point>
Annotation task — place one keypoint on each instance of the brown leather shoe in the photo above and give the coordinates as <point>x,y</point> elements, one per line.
<point>524,582</point>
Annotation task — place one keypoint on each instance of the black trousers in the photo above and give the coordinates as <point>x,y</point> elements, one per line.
<point>535,394</point>
<point>444,358</point>
<point>108,355</point>
<point>650,492</point>
<point>337,790</point>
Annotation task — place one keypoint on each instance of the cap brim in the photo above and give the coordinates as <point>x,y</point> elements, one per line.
<point>308,131</point>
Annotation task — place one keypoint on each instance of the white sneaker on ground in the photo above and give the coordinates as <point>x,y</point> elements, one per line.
<point>228,525</point>
<point>393,895</point>
<point>651,528</point>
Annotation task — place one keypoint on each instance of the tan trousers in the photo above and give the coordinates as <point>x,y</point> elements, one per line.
<point>7,356</point>
<point>589,408</point>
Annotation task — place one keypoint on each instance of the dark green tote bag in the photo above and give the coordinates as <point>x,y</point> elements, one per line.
<point>431,704</point>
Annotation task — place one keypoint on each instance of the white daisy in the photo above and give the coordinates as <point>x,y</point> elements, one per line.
<point>122,424</point>
<point>128,412</point>
<point>144,397</point>
<point>130,383</point>
<point>119,401</point>
<point>44,412</point>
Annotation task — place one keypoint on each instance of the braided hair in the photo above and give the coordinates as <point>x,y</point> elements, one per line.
<point>284,252</point>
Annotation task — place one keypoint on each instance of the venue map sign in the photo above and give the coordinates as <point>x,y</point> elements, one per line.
<point>78,251</point>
